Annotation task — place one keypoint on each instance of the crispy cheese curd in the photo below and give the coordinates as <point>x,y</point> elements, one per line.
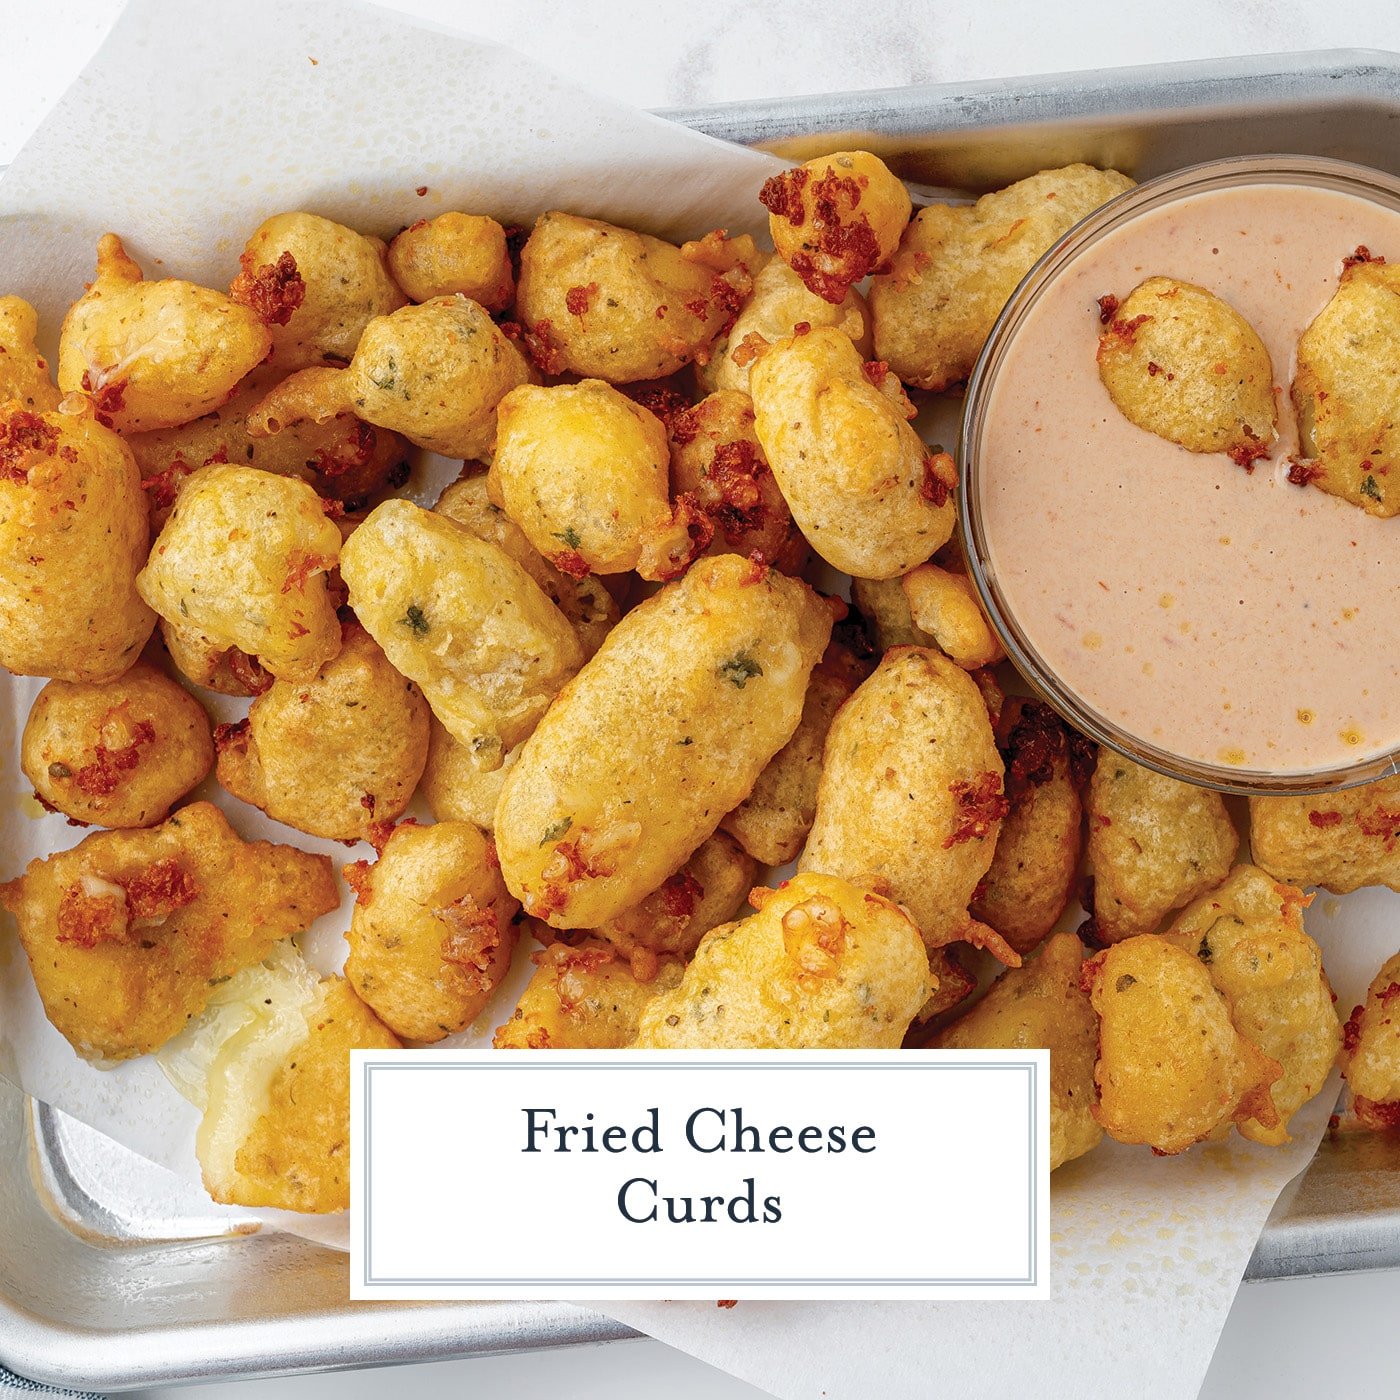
<point>778,304</point>
<point>435,373</point>
<point>910,800</point>
<point>885,608</point>
<point>128,932</point>
<point>1154,845</point>
<point>337,755</point>
<point>276,1131</point>
<point>340,284</point>
<point>1370,1057</point>
<point>24,372</point>
<point>584,997</point>
<point>836,219</point>
<point>344,459</point>
<point>583,471</point>
<point>1181,362</point>
<point>431,934</point>
<point>1032,874</point>
<point>1172,1069</point>
<point>455,785</point>
<point>869,496</point>
<point>73,536</point>
<point>118,754</point>
<point>154,354</point>
<point>708,890</point>
<point>242,561</point>
<point>663,732</point>
<point>1346,388</point>
<point>461,618</point>
<point>1248,934</point>
<point>607,303</point>
<point>207,664</point>
<point>822,965</point>
<point>772,822</point>
<point>454,254</point>
<point>958,264</point>
<point>589,607</point>
<point>1339,840</point>
<point>716,460</point>
<point>944,605</point>
<point>1041,1006</point>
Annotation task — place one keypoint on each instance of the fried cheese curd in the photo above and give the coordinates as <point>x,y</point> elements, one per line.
<point>664,731</point>
<point>1155,844</point>
<point>1041,1006</point>
<point>583,997</point>
<point>867,494</point>
<point>342,458</point>
<point>944,605</point>
<point>1338,840</point>
<point>461,618</point>
<point>154,354</point>
<point>885,607</point>
<point>242,562</point>
<point>708,890</point>
<point>1032,874</point>
<point>1347,386</point>
<point>1248,934</point>
<point>1172,1068</point>
<point>822,965</point>
<point>957,265</point>
<point>24,372</point>
<point>431,934</point>
<point>432,373</point>
<point>778,304</point>
<point>455,785</point>
<point>717,462</point>
<point>910,800</point>
<point>584,472</point>
<point>836,219</point>
<point>206,663</point>
<point>128,932</point>
<point>590,608</point>
<point>276,1128</point>
<point>337,755</point>
<point>454,254</point>
<point>1370,1057</point>
<point>1181,362</point>
<point>322,282</point>
<point>606,303</point>
<point>772,822</point>
<point>118,754</point>
<point>73,536</point>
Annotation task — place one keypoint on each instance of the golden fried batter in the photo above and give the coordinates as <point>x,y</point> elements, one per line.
<point>822,965</point>
<point>1041,1006</point>
<point>119,754</point>
<point>128,932</point>
<point>1370,1057</point>
<point>958,264</point>
<point>583,997</point>
<point>1339,840</point>
<point>431,934</point>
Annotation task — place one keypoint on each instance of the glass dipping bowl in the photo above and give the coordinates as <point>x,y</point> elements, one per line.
<point>1233,173</point>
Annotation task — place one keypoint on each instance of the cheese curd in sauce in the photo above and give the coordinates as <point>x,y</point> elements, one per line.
<point>1231,617</point>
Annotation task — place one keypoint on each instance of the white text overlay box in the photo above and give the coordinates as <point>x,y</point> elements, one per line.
<point>727,1174</point>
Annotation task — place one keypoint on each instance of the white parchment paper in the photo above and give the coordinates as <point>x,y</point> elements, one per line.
<point>196,121</point>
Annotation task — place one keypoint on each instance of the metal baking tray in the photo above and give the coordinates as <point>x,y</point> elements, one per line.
<point>115,1275</point>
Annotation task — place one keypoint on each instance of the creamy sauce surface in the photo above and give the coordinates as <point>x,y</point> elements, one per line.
<point>1229,618</point>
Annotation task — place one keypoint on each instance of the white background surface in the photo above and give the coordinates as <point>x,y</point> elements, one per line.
<point>1286,1340</point>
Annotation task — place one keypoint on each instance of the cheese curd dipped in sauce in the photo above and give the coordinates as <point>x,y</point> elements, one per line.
<point>1215,606</point>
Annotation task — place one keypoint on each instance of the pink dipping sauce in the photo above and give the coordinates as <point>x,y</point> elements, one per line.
<point>1232,619</point>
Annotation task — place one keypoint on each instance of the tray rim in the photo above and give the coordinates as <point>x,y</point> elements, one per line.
<point>67,1355</point>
